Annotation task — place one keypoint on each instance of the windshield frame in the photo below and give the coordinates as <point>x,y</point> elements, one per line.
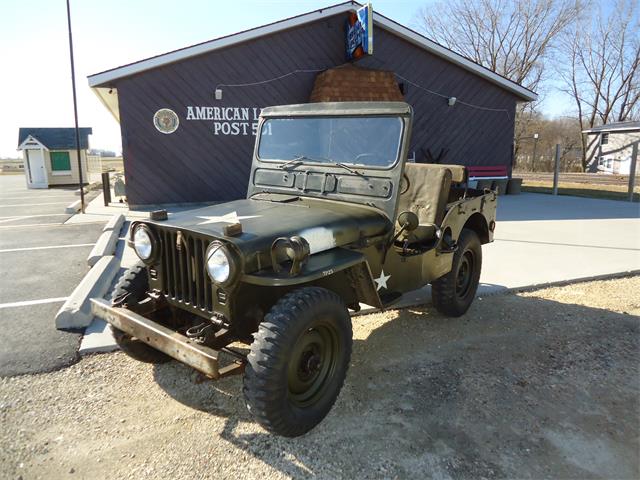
<point>365,166</point>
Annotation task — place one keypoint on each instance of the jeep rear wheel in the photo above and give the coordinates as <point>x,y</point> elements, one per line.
<point>298,361</point>
<point>129,291</point>
<point>453,293</point>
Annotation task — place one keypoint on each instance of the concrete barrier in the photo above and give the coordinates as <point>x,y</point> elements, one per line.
<point>73,207</point>
<point>76,311</point>
<point>114,223</point>
<point>106,244</point>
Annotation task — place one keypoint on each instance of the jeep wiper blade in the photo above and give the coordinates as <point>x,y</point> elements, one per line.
<point>293,162</point>
<point>346,167</point>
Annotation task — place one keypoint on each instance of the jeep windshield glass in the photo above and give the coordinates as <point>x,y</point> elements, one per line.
<point>368,141</point>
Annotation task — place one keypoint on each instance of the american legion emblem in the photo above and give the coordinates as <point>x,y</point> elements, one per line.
<point>166,120</point>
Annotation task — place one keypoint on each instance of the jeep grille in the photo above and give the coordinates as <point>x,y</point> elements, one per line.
<point>185,279</point>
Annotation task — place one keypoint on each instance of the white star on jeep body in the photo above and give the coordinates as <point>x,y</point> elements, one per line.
<point>381,281</point>
<point>226,218</point>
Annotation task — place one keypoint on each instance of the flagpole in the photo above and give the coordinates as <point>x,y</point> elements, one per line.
<point>75,109</point>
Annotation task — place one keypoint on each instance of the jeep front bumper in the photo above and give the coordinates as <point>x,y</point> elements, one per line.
<point>174,344</point>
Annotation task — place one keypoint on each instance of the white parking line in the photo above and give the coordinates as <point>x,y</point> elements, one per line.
<point>75,245</point>
<point>31,204</point>
<point>27,303</point>
<point>49,225</point>
<point>39,215</point>
<point>15,218</point>
<point>12,219</point>
<point>36,197</point>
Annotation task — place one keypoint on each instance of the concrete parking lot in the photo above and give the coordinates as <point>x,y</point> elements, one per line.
<point>41,260</point>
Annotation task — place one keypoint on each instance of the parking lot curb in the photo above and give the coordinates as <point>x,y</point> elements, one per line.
<point>106,244</point>
<point>76,311</point>
<point>115,223</point>
<point>97,338</point>
<point>73,207</point>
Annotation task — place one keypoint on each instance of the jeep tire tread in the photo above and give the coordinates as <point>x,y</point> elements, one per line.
<point>453,293</point>
<point>298,361</point>
<point>131,289</point>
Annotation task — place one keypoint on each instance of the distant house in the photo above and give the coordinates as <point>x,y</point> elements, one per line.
<point>611,146</point>
<point>50,155</point>
<point>11,165</point>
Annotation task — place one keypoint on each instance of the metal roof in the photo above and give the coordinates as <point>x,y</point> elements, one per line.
<point>338,108</point>
<point>615,127</point>
<point>106,78</point>
<point>56,138</point>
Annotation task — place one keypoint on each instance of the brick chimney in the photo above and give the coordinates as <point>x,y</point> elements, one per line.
<point>350,83</point>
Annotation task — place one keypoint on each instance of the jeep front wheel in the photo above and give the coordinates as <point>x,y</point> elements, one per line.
<point>298,361</point>
<point>129,291</point>
<point>453,293</point>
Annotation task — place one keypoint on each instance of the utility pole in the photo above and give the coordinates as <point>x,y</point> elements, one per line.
<point>75,109</point>
<point>556,170</point>
<point>535,148</point>
<point>632,170</point>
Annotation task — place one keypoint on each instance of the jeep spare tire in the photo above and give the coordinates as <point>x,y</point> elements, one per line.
<point>298,361</point>
<point>129,291</point>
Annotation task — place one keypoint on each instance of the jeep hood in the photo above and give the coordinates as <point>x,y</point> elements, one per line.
<point>324,224</point>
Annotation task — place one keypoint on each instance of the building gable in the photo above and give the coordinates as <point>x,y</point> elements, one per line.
<point>56,138</point>
<point>103,82</point>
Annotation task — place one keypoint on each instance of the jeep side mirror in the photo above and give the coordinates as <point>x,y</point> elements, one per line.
<point>408,221</point>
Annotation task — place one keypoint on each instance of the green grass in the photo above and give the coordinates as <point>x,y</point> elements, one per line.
<point>595,191</point>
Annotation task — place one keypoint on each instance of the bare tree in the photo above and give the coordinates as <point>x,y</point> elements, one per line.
<point>510,37</point>
<point>514,38</point>
<point>602,69</point>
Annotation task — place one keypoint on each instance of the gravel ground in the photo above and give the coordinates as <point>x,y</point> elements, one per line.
<point>541,384</point>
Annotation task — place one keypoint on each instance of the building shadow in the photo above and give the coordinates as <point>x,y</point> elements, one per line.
<point>519,387</point>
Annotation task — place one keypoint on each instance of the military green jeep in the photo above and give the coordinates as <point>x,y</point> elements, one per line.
<point>336,218</point>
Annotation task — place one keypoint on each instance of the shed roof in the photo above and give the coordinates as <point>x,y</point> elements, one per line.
<point>106,78</point>
<point>615,127</point>
<point>56,138</point>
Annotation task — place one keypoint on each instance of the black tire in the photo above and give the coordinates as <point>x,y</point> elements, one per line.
<point>298,361</point>
<point>453,293</point>
<point>131,289</point>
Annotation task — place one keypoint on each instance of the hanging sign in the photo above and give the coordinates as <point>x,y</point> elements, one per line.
<point>359,33</point>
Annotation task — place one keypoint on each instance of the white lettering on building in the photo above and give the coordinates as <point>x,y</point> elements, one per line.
<point>228,120</point>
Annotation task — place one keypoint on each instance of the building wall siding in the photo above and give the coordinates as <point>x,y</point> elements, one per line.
<point>195,165</point>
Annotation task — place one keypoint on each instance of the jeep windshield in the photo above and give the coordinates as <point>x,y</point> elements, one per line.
<point>358,140</point>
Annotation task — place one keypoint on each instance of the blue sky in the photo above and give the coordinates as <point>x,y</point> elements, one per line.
<point>35,80</point>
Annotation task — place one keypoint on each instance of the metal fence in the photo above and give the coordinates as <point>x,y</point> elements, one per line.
<point>94,168</point>
<point>570,162</point>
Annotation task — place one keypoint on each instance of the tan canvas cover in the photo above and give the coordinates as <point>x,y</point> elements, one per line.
<point>426,195</point>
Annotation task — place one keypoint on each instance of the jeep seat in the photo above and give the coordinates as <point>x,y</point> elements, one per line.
<point>426,195</point>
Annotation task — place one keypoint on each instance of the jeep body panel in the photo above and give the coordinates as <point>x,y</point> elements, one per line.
<point>325,224</point>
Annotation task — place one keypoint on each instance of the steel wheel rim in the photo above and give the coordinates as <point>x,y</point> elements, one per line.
<point>313,364</point>
<point>465,274</point>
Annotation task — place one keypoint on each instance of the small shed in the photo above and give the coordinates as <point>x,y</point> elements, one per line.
<point>611,147</point>
<point>50,155</point>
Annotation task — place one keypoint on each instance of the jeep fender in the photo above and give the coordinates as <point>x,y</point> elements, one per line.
<point>476,214</point>
<point>344,271</point>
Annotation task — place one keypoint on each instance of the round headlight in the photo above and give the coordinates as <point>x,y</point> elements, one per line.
<point>218,264</point>
<point>142,243</point>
